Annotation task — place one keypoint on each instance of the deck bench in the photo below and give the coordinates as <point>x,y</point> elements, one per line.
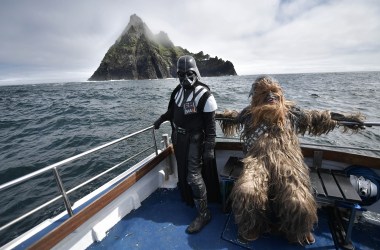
<point>331,188</point>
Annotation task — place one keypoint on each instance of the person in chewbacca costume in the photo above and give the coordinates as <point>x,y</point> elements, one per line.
<point>274,190</point>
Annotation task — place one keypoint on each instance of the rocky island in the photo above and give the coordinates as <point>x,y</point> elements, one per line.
<point>140,54</point>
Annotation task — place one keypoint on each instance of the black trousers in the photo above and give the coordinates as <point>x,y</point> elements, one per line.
<point>188,148</point>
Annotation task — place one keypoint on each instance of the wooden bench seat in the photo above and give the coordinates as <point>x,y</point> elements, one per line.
<point>331,185</point>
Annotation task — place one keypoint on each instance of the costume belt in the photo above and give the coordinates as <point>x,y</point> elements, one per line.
<point>184,131</point>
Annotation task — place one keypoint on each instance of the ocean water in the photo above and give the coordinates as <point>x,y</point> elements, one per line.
<point>42,124</point>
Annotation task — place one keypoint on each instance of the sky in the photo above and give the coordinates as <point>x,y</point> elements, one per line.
<point>51,40</point>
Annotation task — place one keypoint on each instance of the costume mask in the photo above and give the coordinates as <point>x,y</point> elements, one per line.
<point>187,71</point>
<point>268,103</point>
<point>187,79</point>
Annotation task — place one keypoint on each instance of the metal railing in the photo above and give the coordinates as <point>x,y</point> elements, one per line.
<point>366,124</point>
<point>317,145</point>
<point>54,167</point>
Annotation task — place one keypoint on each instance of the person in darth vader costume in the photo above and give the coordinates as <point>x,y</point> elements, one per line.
<point>191,111</point>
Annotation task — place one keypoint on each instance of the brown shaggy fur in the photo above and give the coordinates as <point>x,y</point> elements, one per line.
<point>228,122</point>
<point>274,186</point>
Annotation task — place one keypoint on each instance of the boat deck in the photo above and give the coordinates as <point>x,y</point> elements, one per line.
<point>161,221</point>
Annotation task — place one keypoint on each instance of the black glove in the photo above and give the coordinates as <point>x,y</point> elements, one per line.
<point>157,123</point>
<point>208,152</point>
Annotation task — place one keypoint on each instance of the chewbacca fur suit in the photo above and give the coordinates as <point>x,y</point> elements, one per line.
<point>274,189</point>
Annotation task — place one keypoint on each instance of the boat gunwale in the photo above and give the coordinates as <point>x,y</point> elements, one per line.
<point>70,225</point>
<point>327,154</point>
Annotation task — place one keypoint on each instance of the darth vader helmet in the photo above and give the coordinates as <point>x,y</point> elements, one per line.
<point>187,71</point>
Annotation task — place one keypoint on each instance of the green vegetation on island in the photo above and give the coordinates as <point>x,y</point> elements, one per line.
<point>139,54</point>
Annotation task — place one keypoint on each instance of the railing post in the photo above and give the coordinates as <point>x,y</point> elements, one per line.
<point>63,192</point>
<point>350,225</point>
<point>165,138</point>
<point>154,139</point>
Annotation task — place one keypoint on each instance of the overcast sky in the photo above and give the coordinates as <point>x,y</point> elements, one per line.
<point>51,40</point>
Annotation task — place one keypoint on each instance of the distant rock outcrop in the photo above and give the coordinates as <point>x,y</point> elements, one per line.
<point>139,54</point>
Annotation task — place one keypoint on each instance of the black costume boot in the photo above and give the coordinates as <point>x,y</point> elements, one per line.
<point>204,217</point>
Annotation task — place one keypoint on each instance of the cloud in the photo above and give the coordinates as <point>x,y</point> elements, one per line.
<point>70,38</point>
<point>325,37</point>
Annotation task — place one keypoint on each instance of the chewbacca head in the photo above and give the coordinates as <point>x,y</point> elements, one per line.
<point>268,102</point>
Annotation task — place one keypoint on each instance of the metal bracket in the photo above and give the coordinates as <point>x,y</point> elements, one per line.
<point>317,160</point>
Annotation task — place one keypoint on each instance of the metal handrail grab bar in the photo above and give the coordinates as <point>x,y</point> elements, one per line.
<point>57,164</point>
<point>108,170</point>
<point>29,213</point>
<point>60,185</point>
<point>368,124</point>
<point>336,146</point>
<point>71,190</point>
<point>314,145</point>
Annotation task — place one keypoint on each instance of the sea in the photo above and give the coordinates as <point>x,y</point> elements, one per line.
<point>41,124</point>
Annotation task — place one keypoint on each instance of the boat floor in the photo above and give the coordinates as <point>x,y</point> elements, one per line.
<point>161,221</point>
